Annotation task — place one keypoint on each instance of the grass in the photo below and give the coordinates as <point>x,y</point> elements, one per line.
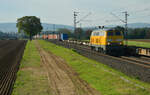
<point>31,78</point>
<point>140,44</point>
<point>101,77</point>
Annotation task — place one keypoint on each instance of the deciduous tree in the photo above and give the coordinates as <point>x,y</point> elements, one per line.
<point>31,25</point>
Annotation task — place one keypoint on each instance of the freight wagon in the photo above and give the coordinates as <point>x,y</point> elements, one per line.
<point>60,37</point>
<point>63,37</point>
<point>45,37</point>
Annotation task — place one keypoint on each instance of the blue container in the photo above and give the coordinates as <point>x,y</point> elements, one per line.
<point>63,36</point>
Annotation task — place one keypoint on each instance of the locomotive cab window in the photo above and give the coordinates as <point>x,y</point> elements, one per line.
<point>102,34</point>
<point>93,34</point>
<point>110,33</point>
<point>97,33</point>
<point>118,33</point>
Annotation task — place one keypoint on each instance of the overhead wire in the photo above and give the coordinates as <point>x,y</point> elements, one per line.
<point>103,19</point>
<point>139,11</point>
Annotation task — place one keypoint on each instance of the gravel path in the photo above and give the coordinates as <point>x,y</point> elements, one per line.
<point>63,80</point>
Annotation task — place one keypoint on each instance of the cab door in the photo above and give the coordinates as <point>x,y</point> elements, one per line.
<point>110,37</point>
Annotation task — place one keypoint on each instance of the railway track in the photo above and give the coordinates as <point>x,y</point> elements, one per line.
<point>137,61</point>
<point>141,60</point>
<point>9,64</point>
<point>133,66</point>
<point>147,58</point>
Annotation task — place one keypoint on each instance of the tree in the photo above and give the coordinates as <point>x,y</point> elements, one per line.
<point>119,28</point>
<point>147,35</point>
<point>78,33</point>
<point>64,30</point>
<point>30,25</point>
<point>88,33</point>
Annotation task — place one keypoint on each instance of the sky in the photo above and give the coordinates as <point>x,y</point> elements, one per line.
<point>61,11</point>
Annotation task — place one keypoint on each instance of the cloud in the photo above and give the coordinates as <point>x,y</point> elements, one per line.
<point>61,11</point>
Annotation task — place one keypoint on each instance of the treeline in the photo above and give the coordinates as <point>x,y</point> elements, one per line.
<point>84,34</point>
<point>11,35</point>
<point>2,35</point>
<point>139,33</point>
<point>135,33</point>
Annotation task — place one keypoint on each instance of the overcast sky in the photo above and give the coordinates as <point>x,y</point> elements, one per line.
<point>61,11</point>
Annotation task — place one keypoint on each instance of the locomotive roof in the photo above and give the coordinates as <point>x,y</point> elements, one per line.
<point>98,30</point>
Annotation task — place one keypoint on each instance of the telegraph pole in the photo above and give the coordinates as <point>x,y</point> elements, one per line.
<point>75,20</point>
<point>80,25</point>
<point>126,26</point>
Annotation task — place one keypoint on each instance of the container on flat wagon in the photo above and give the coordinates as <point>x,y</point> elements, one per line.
<point>37,36</point>
<point>44,36</point>
<point>144,51</point>
<point>55,36</point>
<point>41,36</point>
<point>63,36</point>
<point>50,36</point>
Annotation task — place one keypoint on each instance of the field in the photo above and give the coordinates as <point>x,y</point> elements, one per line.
<point>10,55</point>
<point>31,78</point>
<point>140,43</point>
<point>37,75</point>
<point>48,75</point>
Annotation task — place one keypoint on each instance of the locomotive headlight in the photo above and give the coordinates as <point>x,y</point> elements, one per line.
<point>108,43</point>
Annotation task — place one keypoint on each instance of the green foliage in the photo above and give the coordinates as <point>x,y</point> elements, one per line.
<point>119,28</point>
<point>105,79</point>
<point>64,30</point>
<point>78,33</point>
<point>31,25</point>
<point>139,33</point>
<point>2,34</point>
<point>88,34</point>
<point>31,79</point>
<point>136,33</point>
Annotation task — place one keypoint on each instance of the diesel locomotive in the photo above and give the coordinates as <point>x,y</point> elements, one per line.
<point>107,41</point>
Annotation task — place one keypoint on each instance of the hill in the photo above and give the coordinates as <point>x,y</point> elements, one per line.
<point>11,27</point>
<point>134,25</point>
<point>139,25</point>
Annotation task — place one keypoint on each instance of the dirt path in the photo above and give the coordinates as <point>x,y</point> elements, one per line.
<point>62,79</point>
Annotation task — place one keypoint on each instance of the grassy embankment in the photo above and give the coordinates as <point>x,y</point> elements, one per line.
<point>105,79</point>
<point>31,78</point>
